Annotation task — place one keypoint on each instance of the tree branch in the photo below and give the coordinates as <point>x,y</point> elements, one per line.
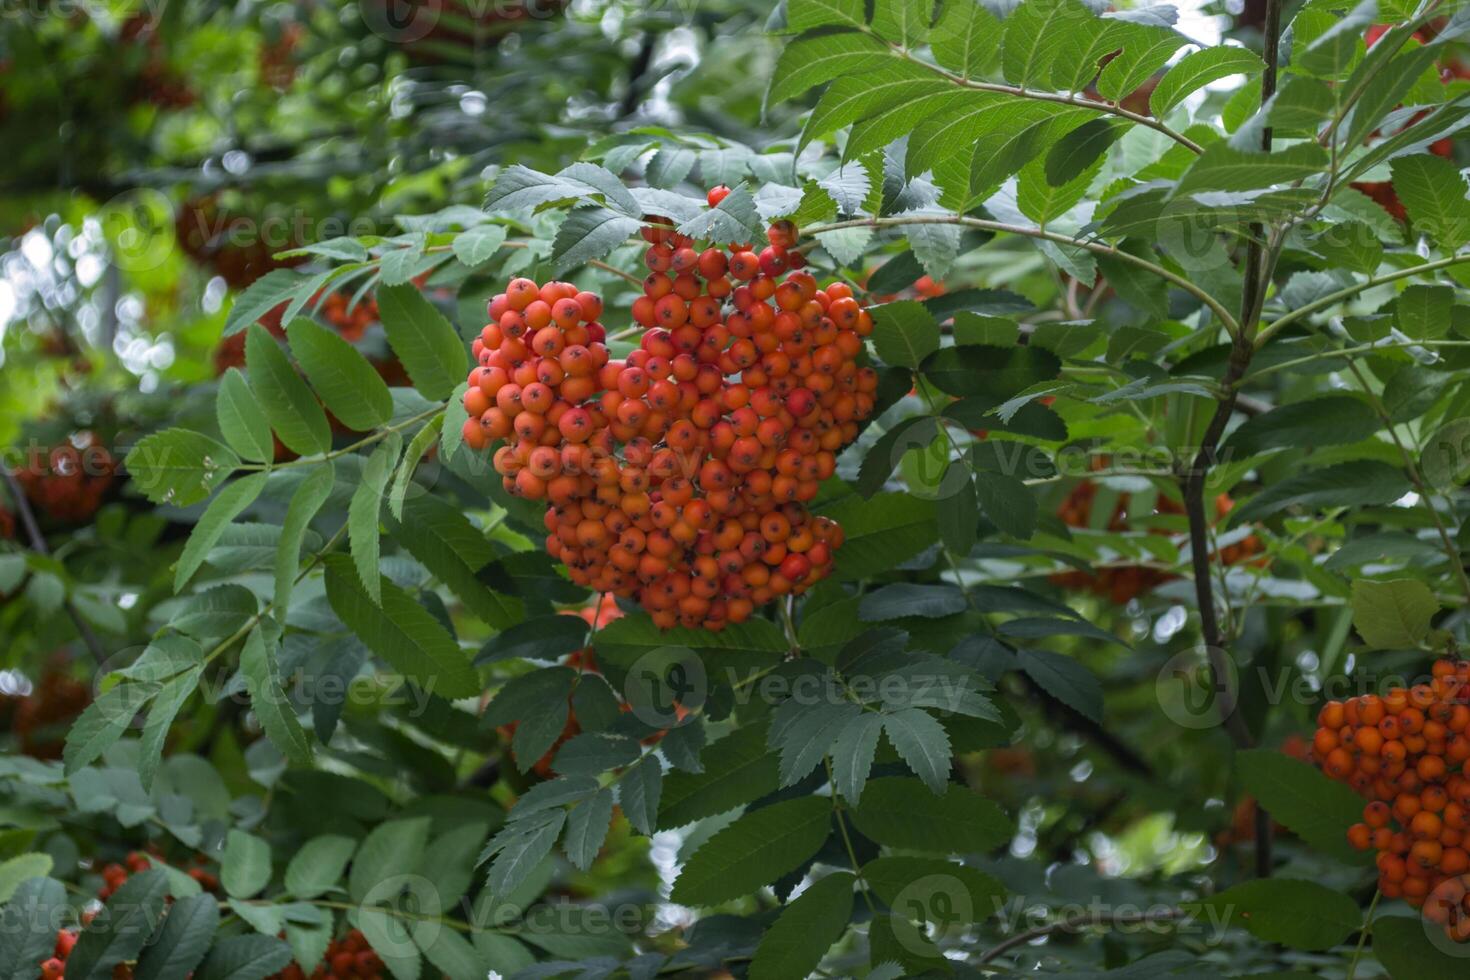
<point>1097,248</point>
<point>1332,299</point>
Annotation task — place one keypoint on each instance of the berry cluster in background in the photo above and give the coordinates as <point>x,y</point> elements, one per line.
<point>680,475</point>
<point>1405,752</point>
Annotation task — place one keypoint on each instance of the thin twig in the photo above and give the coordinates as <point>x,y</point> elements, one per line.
<point>1417,478</point>
<point>39,546</point>
<point>1078,921</point>
<point>1097,248</point>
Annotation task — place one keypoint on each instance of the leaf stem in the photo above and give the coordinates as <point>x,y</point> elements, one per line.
<point>1417,478</point>
<point>1332,299</point>
<point>1097,248</point>
<point>1056,98</point>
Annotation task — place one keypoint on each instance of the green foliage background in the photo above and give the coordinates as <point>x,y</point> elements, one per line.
<point>321,650</point>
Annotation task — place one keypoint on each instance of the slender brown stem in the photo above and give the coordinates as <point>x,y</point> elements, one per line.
<point>1417,478</point>
<point>1080,920</point>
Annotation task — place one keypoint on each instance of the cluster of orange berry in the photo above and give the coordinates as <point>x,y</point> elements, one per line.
<point>54,968</point>
<point>113,875</point>
<point>68,483</point>
<point>679,476</point>
<point>348,957</point>
<point>1123,583</point>
<point>1405,751</point>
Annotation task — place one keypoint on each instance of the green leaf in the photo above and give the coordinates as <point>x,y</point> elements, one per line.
<point>305,503</point>
<point>1146,49</point>
<point>1423,312</point>
<point>1224,168</point>
<point>1330,420</point>
<point>738,769</point>
<point>1303,799</point>
<point>442,539</point>
<point>549,637</point>
<point>1394,614</point>
<point>28,927</point>
<point>364,510</point>
<point>1401,943</point>
<point>241,420</point>
<point>212,523</point>
<point>588,234</point>
<point>878,94</point>
<point>316,868</point>
<point>14,871</point>
<point>1446,457</point>
<point>1034,34</point>
<point>179,467</point>
<point>735,219</point>
<point>1076,153</point>
<point>401,631</point>
<point>806,929</point>
<point>1199,68</point>
<point>165,708</point>
<point>349,386</point>
<point>933,890</point>
<point>269,701</point>
<point>262,296</point>
<point>1001,373</point>
<point>853,752</point>
<point>288,403</point>
<point>881,533</point>
<point>252,957</point>
<point>520,187</point>
<point>1358,483</point>
<point>804,732</point>
<point>1295,913</point>
<point>922,743</point>
<point>451,953</point>
<point>754,851</point>
<point>885,454</point>
<point>898,811</point>
<point>904,333</point>
<point>587,826</point>
<point>390,850</point>
<point>1064,679</point>
<point>802,15</point>
<point>430,349</point>
<point>216,612</point>
<point>521,846</point>
<point>906,22</point>
<point>475,246</point>
<point>816,59</point>
<point>103,722</point>
<point>417,447</point>
<point>639,792</point>
<point>1008,503</point>
<point>958,516</point>
<point>1432,190</point>
<point>967,39</point>
<point>245,868</point>
<point>182,942</point>
<point>121,929</point>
